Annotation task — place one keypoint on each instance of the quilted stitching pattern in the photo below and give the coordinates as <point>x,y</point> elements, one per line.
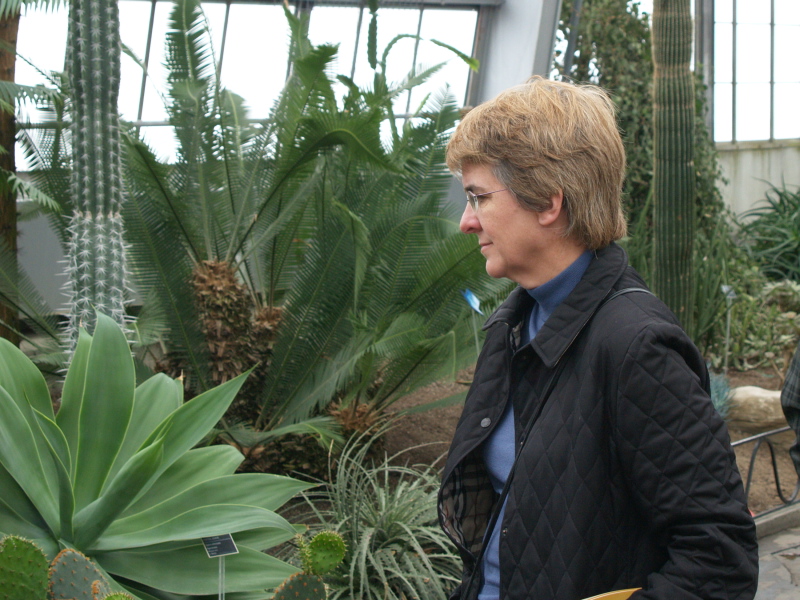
<point>628,478</point>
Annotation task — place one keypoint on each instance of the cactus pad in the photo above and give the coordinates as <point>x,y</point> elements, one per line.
<point>74,577</point>
<point>23,570</point>
<point>301,586</point>
<point>323,553</point>
<point>117,596</point>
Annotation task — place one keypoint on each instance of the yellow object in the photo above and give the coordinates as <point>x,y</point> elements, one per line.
<point>618,595</point>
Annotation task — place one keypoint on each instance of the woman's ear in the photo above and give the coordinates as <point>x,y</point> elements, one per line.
<point>551,215</point>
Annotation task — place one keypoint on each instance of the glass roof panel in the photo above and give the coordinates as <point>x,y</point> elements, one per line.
<point>256,51</point>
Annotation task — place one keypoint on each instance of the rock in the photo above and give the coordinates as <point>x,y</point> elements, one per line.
<point>754,409</point>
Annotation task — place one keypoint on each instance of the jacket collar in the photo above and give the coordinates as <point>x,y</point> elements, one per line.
<point>570,317</point>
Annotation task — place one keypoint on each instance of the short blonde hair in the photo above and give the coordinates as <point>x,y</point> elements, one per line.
<point>546,136</point>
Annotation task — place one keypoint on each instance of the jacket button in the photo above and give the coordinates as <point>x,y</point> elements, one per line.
<point>486,422</point>
<point>505,531</point>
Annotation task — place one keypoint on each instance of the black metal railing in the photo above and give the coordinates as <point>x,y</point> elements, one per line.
<point>759,440</point>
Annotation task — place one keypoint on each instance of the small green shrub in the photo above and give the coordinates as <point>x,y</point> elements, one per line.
<point>763,333</point>
<point>387,517</point>
<point>771,233</point>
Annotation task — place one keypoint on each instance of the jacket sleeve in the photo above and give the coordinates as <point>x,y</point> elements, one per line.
<point>675,453</point>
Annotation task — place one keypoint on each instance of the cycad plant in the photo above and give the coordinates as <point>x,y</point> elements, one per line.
<point>305,244</point>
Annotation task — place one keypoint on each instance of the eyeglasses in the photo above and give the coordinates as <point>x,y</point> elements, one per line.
<point>473,198</point>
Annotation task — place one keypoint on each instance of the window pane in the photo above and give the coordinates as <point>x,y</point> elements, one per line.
<point>162,142</point>
<point>391,23</point>
<point>34,27</point>
<point>723,52</point>
<point>787,49</point>
<point>134,20</point>
<point>787,12</point>
<point>752,53</point>
<point>337,25</point>
<point>723,106</point>
<point>156,86</point>
<point>752,111</point>
<point>750,11</point>
<point>723,11</point>
<point>787,118</point>
<point>255,64</point>
<point>455,28</point>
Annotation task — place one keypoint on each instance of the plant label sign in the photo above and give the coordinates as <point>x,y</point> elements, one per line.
<point>220,545</point>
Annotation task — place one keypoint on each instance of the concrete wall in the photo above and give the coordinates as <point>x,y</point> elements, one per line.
<point>750,168</point>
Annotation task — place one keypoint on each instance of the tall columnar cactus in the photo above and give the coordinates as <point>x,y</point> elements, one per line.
<point>674,173</point>
<point>96,252</point>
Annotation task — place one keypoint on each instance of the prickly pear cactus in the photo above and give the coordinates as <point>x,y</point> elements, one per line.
<point>301,586</point>
<point>74,577</point>
<point>117,596</point>
<point>323,553</point>
<point>23,570</point>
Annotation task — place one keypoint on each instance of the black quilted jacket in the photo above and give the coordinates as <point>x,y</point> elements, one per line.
<point>627,478</point>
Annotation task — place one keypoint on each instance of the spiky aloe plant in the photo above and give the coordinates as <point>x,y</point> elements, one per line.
<point>673,173</point>
<point>96,251</point>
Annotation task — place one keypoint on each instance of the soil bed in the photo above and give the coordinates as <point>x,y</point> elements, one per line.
<point>424,437</point>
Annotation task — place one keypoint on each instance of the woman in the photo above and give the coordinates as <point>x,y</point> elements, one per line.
<point>589,456</point>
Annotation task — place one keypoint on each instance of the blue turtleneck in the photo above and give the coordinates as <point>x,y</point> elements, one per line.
<point>498,451</point>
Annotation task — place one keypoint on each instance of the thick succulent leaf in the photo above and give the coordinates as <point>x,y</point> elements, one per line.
<point>154,400</point>
<point>18,515</point>
<point>59,452</point>
<point>69,414</point>
<point>198,521</point>
<point>192,421</point>
<point>194,467</point>
<point>105,410</point>
<point>24,455</point>
<point>186,571</point>
<point>22,380</point>
<point>95,518</point>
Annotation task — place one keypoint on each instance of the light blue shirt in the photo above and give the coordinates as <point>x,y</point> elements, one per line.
<point>498,451</point>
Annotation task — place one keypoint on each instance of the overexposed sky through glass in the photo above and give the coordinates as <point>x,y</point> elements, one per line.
<point>255,55</point>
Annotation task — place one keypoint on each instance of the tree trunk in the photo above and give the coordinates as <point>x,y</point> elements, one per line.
<point>9,27</point>
<point>673,173</point>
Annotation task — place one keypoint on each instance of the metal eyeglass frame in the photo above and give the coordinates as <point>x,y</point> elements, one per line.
<point>472,199</point>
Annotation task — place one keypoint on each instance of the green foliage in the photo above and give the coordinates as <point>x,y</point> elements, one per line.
<point>387,516</point>
<point>75,577</point>
<point>96,250</point>
<point>23,570</point>
<point>339,244</point>
<point>771,233</point>
<point>720,393</point>
<point>615,51</point>
<point>319,556</point>
<point>301,586</point>
<point>25,574</point>
<point>116,475</point>
<point>765,324</point>
<point>322,553</point>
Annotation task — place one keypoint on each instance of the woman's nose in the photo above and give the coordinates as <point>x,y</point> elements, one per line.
<point>469,220</point>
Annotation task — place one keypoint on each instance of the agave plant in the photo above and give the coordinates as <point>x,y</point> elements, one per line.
<point>115,474</point>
